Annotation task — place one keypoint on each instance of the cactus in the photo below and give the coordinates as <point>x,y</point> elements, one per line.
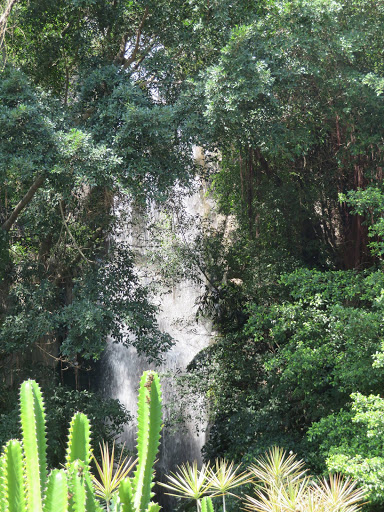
<point>24,482</point>
<point>32,417</point>
<point>135,494</point>
<point>207,505</point>
<point>56,498</point>
<point>79,440</point>
<point>13,477</point>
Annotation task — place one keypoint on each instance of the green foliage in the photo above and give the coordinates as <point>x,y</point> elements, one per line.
<point>295,361</point>
<point>369,203</point>
<point>107,417</point>
<point>351,441</point>
<point>102,100</point>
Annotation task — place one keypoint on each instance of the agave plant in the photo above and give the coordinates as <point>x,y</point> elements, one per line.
<point>225,477</point>
<point>190,483</point>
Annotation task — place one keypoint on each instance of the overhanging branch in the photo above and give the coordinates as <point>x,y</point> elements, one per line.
<point>23,203</point>
<point>4,18</point>
<point>120,59</point>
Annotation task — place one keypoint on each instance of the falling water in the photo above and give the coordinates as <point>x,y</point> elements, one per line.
<point>122,367</point>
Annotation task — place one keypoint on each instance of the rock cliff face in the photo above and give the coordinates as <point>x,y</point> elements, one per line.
<point>122,367</point>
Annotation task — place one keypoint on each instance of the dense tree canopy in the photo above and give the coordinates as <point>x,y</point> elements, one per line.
<point>102,101</point>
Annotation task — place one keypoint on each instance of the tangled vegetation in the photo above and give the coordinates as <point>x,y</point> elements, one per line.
<point>101,103</point>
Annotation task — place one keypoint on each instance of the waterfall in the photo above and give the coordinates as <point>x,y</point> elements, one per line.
<point>122,367</point>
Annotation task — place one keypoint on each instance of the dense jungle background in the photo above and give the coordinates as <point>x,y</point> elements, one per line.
<point>103,100</point>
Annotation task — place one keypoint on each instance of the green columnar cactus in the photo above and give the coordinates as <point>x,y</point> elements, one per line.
<point>135,495</point>
<point>13,477</point>
<point>126,495</point>
<point>32,417</point>
<point>207,505</point>
<point>56,498</point>
<point>24,483</point>
<point>79,440</point>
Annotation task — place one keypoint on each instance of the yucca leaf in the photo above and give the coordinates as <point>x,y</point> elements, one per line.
<point>110,473</point>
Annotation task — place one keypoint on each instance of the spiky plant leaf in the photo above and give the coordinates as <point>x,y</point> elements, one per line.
<point>189,482</point>
<point>34,442</point>
<point>110,475</point>
<point>225,476</point>
<point>79,440</point>
<point>148,438</point>
<point>56,496</point>
<point>339,494</point>
<point>276,467</point>
<point>14,491</point>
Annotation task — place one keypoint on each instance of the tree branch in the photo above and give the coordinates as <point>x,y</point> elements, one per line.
<point>120,59</point>
<point>70,234</point>
<point>4,18</point>
<point>23,203</point>
<point>132,58</point>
